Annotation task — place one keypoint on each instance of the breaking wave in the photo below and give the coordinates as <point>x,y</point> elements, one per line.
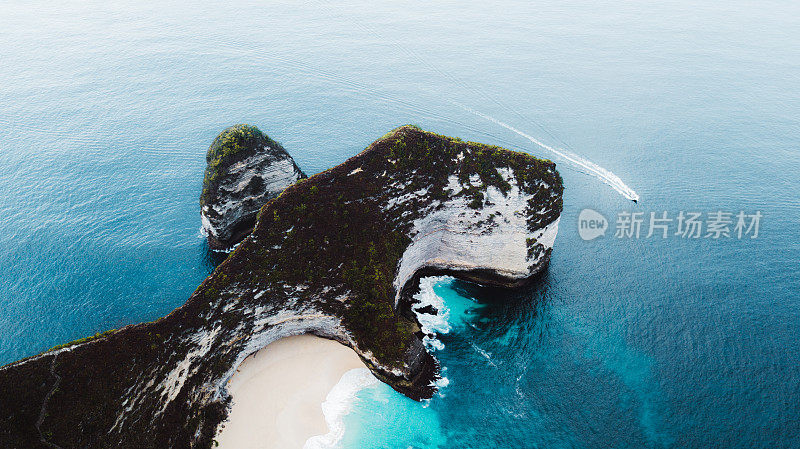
<point>338,404</point>
<point>435,323</point>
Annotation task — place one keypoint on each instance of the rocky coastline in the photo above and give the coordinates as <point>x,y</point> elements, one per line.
<point>339,255</point>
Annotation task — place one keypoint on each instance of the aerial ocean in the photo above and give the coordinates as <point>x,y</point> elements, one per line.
<point>107,110</point>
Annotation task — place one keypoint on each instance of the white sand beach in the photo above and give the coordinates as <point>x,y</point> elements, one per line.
<point>278,393</point>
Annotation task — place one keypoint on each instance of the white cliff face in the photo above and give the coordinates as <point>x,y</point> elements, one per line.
<point>496,237</point>
<point>263,325</point>
<point>243,188</point>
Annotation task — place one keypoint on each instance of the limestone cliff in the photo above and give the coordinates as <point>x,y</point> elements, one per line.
<point>245,169</point>
<point>338,255</point>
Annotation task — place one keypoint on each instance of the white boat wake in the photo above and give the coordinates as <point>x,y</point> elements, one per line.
<point>590,167</point>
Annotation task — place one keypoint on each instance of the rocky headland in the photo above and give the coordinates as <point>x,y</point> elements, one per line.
<point>338,255</point>
<point>245,169</point>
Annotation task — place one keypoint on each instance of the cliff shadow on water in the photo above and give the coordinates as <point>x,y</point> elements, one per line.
<point>501,308</point>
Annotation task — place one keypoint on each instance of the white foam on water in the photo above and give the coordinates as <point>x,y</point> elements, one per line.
<point>338,404</point>
<point>590,167</point>
<point>487,355</point>
<point>432,325</point>
<point>441,382</point>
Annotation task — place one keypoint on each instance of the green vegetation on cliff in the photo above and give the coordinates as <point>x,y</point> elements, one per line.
<point>232,145</point>
<point>83,340</point>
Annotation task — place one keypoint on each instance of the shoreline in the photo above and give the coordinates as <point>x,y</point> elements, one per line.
<point>292,392</point>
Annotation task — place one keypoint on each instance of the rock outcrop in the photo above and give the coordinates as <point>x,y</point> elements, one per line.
<point>245,170</point>
<point>338,255</point>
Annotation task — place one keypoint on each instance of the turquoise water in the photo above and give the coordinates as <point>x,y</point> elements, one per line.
<point>107,109</point>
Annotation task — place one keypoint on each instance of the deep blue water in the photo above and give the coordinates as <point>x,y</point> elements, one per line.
<point>106,111</point>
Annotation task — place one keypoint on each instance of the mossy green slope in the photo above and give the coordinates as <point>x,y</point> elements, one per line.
<point>233,144</point>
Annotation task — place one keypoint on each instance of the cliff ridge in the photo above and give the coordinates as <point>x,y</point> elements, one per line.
<point>338,255</point>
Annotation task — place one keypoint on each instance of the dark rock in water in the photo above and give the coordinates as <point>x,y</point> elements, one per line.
<point>428,310</point>
<point>339,255</point>
<point>245,170</point>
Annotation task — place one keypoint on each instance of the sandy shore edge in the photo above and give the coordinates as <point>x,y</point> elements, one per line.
<point>278,393</point>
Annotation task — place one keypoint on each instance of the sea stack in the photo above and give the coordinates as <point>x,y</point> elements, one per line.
<point>245,169</point>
